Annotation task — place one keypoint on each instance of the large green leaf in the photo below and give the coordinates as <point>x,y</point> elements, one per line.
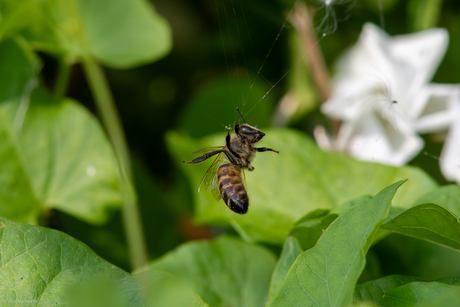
<point>326,274</point>
<point>158,288</point>
<point>38,264</point>
<point>54,152</point>
<point>118,33</point>
<point>44,267</point>
<point>225,271</point>
<point>17,15</point>
<point>446,196</point>
<point>428,222</point>
<point>291,249</point>
<point>285,187</point>
<point>18,70</point>
<point>375,291</point>
<point>417,292</point>
<point>62,152</point>
<point>310,227</point>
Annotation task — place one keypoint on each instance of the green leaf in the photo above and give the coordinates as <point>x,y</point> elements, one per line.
<point>417,292</point>
<point>18,68</point>
<point>326,274</point>
<point>16,16</point>
<point>291,249</point>
<point>54,153</point>
<point>285,187</point>
<point>446,196</point>
<point>118,33</point>
<point>164,289</point>
<point>374,291</point>
<point>428,222</point>
<point>44,267</point>
<point>225,271</point>
<point>158,288</point>
<point>38,264</point>
<point>309,228</point>
<point>450,298</point>
<point>62,152</point>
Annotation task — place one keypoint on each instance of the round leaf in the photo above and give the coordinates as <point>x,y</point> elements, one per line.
<point>44,267</point>
<point>118,33</point>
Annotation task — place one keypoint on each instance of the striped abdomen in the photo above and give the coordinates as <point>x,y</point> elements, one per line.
<point>231,188</point>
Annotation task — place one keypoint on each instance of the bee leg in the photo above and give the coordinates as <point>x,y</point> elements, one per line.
<point>262,149</point>
<point>203,157</point>
<point>237,131</point>
<point>229,146</point>
<point>230,158</point>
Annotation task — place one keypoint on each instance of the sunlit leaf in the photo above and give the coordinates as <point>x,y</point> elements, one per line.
<point>38,264</point>
<point>225,272</point>
<point>120,33</point>
<point>326,274</point>
<point>54,152</point>
<point>65,156</point>
<point>286,186</point>
<point>44,267</point>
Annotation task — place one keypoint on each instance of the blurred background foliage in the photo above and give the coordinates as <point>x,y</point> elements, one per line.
<point>223,52</point>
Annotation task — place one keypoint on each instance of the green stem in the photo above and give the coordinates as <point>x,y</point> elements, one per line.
<point>63,77</point>
<point>106,107</point>
<point>425,13</point>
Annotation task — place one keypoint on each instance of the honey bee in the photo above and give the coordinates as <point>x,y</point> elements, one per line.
<point>239,150</point>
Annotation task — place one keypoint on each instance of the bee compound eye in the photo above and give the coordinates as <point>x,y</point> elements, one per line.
<point>246,130</point>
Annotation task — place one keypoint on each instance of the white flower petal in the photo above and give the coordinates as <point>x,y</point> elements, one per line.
<point>373,138</point>
<point>450,155</point>
<point>423,51</point>
<point>382,95</point>
<point>398,67</point>
<point>438,110</point>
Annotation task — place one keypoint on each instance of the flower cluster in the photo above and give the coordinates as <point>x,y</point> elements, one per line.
<point>383,96</point>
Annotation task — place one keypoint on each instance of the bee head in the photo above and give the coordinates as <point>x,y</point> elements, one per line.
<point>250,133</point>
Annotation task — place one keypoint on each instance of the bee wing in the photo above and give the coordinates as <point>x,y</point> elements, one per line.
<point>243,177</point>
<point>207,149</point>
<point>216,193</point>
<point>210,178</point>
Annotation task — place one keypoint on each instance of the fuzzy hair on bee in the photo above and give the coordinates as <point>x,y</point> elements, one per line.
<point>224,179</point>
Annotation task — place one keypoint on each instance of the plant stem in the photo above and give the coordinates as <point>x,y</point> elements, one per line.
<point>424,13</point>
<point>302,23</point>
<point>106,107</point>
<point>62,80</point>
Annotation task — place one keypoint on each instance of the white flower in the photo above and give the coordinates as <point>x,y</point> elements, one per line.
<point>450,155</point>
<point>383,96</point>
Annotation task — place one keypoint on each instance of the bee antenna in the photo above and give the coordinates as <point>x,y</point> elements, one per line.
<point>241,115</point>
